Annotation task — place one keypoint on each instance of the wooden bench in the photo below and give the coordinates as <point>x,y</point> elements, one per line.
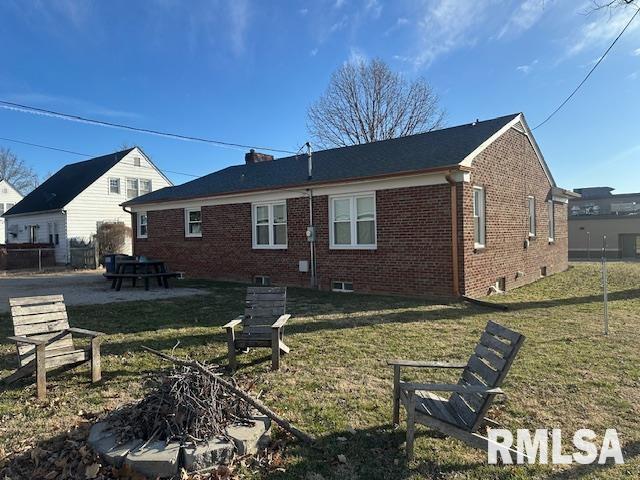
<point>162,277</point>
<point>44,340</point>
<point>463,413</point>
<point>262,324</point>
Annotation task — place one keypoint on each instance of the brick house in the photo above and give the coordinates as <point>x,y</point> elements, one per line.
<point>381,216</point>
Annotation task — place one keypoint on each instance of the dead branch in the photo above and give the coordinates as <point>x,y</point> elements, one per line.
<point>258,405</point>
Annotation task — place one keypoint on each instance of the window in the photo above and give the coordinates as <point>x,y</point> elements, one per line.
<point>552,222</point>
<point>2,208</point>
<point>531,208</point>
<point>353,221</point>
<point>137,187</point>
<point>479,224</point>
<point>114,186</point>
<point>340,286</point>
<point>132,188</point>
<point>270,225</point>
<point>142,224</point>
<point>262,280</point>
<point>193,222</point>
<point>136,161</point>
<point>145,186</point>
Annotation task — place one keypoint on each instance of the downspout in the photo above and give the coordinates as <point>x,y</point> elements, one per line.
<point>454,234</point>
<point>311,233</point>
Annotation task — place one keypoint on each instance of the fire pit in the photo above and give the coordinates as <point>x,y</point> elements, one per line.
<point>188,420</point>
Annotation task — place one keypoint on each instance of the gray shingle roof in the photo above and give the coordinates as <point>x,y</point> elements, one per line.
<point>66,184</point>
<point>432,150</point>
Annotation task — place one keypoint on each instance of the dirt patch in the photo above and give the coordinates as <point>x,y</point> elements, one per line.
<point>83,288</point>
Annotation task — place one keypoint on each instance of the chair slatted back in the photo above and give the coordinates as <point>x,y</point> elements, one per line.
<point>488,366</point>
<point>40,318</point>
<point>263,306</point>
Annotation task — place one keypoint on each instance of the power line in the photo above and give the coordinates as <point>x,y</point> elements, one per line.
<point>56,149</point>
<point>77,118</point>
<point>588,74</point>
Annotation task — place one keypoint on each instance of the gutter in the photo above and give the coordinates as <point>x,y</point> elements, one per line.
<point>454,234</point>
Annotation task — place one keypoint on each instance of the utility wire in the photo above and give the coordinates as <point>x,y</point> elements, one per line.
<point>588,74</point>
<point>22,142</point>
<point>30,109</point>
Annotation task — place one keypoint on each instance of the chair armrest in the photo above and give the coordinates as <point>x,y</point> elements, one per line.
<point>233,323</point>
<point>443,387</point>
<point>84,331</point>
<point>30,341</point>
<point>420,364</point>
<point>281,321</point>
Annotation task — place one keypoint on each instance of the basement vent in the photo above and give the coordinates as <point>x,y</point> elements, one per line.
<point>543,271</point>
<point>341,286</point>
<point>262,280</point>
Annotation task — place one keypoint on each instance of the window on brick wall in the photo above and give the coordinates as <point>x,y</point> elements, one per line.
<point>192,222</point>
<point>142,224</point>
<point>269,225</point>
<point>531,210</point>
<point>353,221</point>
<point>552,222</point>
<point>479,223</point>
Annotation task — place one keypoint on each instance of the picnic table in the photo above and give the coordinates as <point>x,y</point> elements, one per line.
<point>135,269</point>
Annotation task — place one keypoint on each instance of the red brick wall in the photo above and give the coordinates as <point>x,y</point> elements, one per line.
<point>510,171</point>
<point>412,256</point>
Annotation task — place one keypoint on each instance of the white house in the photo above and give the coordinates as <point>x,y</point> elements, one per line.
<point>73,202</point>
<point>9,196</point>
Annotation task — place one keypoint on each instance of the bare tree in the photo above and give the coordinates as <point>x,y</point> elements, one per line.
<point>366,101</point>
<point>16,172</point>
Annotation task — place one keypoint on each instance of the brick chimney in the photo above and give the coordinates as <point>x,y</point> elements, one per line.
<point>256,157</point>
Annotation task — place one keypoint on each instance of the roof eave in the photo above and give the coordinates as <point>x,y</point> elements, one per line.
<point>309,184</point>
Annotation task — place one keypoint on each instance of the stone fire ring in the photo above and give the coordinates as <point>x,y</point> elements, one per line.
<point>159,459</point>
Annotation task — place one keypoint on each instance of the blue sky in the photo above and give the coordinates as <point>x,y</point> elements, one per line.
<point>245,71</point>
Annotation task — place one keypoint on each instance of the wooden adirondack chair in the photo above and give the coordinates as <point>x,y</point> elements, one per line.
<point>262,324</point>
<point>44,340</point>
<point>463,413</point>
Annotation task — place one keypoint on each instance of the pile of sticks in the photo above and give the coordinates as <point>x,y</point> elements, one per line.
<point>185,406</point>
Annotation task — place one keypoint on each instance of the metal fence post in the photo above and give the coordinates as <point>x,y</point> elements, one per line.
<point>39,259</point>
<point>605,292</point>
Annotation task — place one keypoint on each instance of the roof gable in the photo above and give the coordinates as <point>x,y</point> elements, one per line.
<point>7,184</point>
<point>436,150</point>
<point>66,184</point>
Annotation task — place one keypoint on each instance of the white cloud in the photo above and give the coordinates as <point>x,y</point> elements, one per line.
<point>636,52</point>
<point>633,76</point>
<point>373,7</point>
<point>400,22</point>
<point>602,30</point>
<point>81,107</point>
<point>524,17</point>
<point>303,11</point>
<point>448,25</point>
<point>338,4</point>
<point>526,69</point>
<point>239,17</point>
<point>313,52</point>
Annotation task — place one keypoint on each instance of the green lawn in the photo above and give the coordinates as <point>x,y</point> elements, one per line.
<point>335,381</point>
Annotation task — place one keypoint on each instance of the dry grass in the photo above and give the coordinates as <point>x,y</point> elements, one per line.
<point>335,382</point>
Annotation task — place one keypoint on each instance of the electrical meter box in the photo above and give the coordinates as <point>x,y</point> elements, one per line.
<point>311,233</point>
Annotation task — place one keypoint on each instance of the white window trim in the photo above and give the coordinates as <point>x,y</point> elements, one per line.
<point>186,222</point>
<point>534,224</point>
<point>139,224</point>
<point>551,212</point>
<point>353,222</point>
<point>483,218</point>
<point>111,179</point>
<point>343,289</point>
<point>254,230</point>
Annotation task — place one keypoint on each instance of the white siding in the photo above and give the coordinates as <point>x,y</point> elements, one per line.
<point>96,203</point>
<point>8,195</point>
<point>46,224</point>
